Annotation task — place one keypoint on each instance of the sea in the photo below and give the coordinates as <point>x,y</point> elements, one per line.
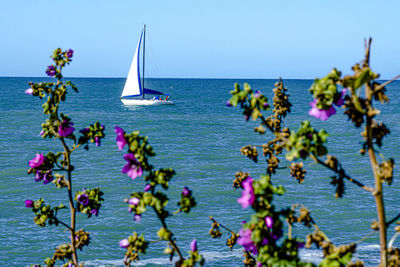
<point>200,138</point>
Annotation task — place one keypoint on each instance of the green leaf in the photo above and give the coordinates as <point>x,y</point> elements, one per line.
<point>364,77</point>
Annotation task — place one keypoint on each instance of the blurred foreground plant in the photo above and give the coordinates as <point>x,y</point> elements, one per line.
<point>57,167</point>
<point>153,198</point>
<point>259,237</point>
<point>267,237</point>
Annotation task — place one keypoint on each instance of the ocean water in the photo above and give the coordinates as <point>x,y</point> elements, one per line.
<point>200,138</point>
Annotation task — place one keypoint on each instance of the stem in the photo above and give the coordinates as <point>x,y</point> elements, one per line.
<point>223,226</point>
<point>63,223</point>
<point>164,224</point>
<point>365,237</point>
<point>393,220</point>
<point>319,230</point>
<point>387,82</point>
<point>341,172</point>
<point>378,192</point>
<point>71,202</point>
<point>393,239</point>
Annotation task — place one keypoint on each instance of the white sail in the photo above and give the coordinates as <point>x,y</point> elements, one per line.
<point>132,85</point>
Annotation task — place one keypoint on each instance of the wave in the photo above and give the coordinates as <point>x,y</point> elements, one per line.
<point>308,255</point>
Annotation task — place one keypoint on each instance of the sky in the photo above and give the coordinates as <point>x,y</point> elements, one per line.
<point>292,39</point>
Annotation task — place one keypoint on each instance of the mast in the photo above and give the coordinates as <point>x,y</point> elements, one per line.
<point>144,45</point>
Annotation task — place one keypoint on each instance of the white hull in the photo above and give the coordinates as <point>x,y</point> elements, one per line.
<point>145,102</point>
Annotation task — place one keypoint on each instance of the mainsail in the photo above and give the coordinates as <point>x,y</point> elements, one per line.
<point>133,85</point>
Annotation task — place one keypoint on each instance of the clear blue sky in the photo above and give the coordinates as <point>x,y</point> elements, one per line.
<point>200,39</point>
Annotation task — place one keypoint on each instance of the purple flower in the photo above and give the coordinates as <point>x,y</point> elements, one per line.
<point>29,203</point>
<point>257,94</point>
<point>97,141</point>
<point>186,191</point>
<point>65,128</point>
<point>47,177</point>
<point>83,199</point>
<point>300,244</point>
<point>132,168</point>
<point>265,241</point>
<point>137,217</point>
<point>339,102</point>
<point>147,187</point>
<point>322,114</point>
<point>269,222</point>
<point>38,176</point>
<point>94,212</point>
<point>248,197</point>
<point>29,91</point>
<point>134,201</point>
<point>42,133</point>
<point>266,105</point>
<point>193,245</point>
<point>124,243</point>
<point>121,141</point>
<point>70,53</point>
<point>37,160</point>
<point>245,240</point>
<point>228,103</point>
<point>259,264</point>
<point>276,235</point>
<point>51,71</point>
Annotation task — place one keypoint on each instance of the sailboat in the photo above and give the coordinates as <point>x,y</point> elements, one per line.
<point>134,90</point>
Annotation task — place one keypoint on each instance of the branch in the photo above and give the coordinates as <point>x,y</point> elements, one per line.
<point>223,226</point>
<point>61,222</point>
<point>365,237</point>
<point>170,239</point>
<point>341,172</point>
<point>393,239</point>
<point>393,220</point>
<point>386,83</point>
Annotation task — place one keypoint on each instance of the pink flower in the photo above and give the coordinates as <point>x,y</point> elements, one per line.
<point>121,141</point>
<point>134,201</point>
<point>132,168</point>
<point>29,203</point>
<point>186,191</point>
<point>124,243</point>
<point>147,187</point>
<point>245,240</point>
<point>322,114</point>
<point>36,161</point>
<point>137,217</point>
<point>65,128</point>
<point>248,197</point>
<point>193,245</point>
<point>97,141</point>
<point>29,91</point>
<point>269,222</point>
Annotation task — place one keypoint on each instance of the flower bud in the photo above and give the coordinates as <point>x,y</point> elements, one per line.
<point>29,203</point>
<point>124,243</point>
<point>193,245</point>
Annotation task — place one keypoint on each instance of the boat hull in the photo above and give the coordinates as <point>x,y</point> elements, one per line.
<point>145,102</point>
